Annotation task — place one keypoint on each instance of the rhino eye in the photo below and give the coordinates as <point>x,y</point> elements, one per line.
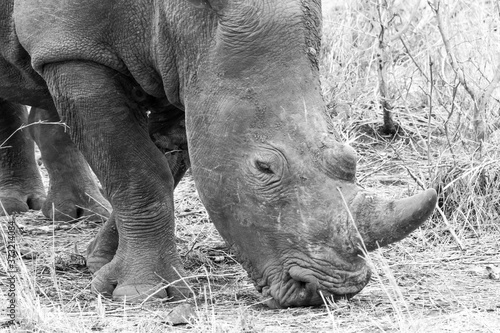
<point>264,167</point>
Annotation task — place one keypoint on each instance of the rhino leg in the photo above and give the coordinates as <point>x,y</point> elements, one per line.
<point>109,127</point>
<point>21,186</point>
<point>168,132</point>
<point>73,190</point>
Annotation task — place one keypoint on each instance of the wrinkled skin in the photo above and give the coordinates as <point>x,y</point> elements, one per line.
<point>73,191</point>
<point>243,77</point>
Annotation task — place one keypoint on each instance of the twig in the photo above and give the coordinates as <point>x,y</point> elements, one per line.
<point>484,98</point>
<point>450,114</point>
<point>480,100</point>
<point>388,126</point>
<point>413,59</point>
<point>190,213</point>
<point>453,61</point>
<point>431,89</point>
<point>401,32</point>
<point>450,229</point>
<point>415,178</point>
<point>40,122</point>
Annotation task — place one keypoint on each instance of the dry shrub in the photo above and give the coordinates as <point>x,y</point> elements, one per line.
<point>419,74</point>
<point>469,195</point>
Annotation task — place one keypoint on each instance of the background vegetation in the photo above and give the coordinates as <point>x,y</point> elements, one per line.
<point>417,97</point>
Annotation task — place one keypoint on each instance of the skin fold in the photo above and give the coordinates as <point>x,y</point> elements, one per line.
<point>237,83</point>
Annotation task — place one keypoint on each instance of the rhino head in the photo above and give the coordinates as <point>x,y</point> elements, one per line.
<point>275,182</point>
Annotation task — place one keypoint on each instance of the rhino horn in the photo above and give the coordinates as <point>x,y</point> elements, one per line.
<point>381,222</point>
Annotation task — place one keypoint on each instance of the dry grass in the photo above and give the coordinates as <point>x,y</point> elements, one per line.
<point>445,277</point>
<point>423,284</point>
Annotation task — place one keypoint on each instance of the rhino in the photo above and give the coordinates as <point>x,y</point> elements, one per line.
<point>234,85</point>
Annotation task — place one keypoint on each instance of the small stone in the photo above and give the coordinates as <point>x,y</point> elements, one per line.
<point>180,315</point>
<point>493,272</point>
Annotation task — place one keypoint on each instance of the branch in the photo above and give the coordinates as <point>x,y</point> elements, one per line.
<point>491,87</point>
<point>453,61</point>
<point>401,32</point>
<point>479,100</point>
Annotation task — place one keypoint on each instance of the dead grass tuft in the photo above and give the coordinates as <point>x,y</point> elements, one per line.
<point>469,194</point>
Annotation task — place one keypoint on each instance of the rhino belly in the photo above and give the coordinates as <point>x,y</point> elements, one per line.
<point>19,83</point>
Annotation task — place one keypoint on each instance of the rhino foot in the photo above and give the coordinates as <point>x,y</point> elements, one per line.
<point>133,291</point>
<point>16,201</point>
<point>21,186</point>
<point>20,194</point>
<point>66,202</point>
<point>136,279</point>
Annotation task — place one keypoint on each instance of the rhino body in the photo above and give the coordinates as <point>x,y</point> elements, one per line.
<point>234,85</point>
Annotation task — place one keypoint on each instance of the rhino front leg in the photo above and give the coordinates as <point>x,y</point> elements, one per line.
<point>109,128</point>
<point>168,132</point>
<point>73,190</point>
<point>21,186</point>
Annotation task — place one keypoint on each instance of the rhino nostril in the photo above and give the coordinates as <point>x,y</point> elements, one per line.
<point>303,291</point>
<point>79,212</point>
<point>306,283</point>
<point>307,290</point>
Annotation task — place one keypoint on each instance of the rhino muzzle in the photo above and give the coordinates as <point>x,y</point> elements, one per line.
<point>378,222</point>
<point>311,286</point>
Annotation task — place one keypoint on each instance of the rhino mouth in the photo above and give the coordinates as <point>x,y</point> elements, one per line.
<point>308,287</point>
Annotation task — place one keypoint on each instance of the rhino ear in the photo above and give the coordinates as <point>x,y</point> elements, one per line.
<point>216,5</point>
